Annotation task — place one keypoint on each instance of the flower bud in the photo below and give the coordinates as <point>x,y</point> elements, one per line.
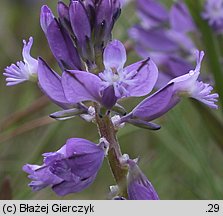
<point>143,124</point>
<point>80,24</point>
<point>46,17</point>
<point>67,114</point>
<point>139,187</point>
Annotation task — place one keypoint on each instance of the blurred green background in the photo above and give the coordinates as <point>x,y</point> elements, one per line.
<point>183,160</point>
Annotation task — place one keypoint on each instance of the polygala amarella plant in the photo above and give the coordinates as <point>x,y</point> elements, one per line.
<point>94,71</point>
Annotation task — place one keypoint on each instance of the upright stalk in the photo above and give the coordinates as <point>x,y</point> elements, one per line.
<point>107,130</point>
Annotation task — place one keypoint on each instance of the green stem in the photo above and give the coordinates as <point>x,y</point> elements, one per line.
<point>107,130</point>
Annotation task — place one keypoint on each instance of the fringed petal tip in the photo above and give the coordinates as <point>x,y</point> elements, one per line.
<point>203,94</point>
<point>22,70</point>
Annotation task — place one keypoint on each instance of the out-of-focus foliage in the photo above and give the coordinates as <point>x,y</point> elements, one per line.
<point>183,160</point>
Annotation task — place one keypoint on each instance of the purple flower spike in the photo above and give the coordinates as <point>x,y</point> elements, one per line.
<point>213,13</point>
<point>84,26</point>
<point>71,169</point>
<point>164,34</point>
<point>138,186</point>
<point>22,70</point>
<point>186,85</point>
<point>180,18</point>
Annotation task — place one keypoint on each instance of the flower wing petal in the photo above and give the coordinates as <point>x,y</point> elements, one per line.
<point>62,46</point>
<point>50,83</point>
<point>144,79</point>
<point>157,104</point>
<point>81,86</point>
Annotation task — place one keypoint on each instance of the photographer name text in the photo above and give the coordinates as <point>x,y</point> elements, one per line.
<point>47,208</point>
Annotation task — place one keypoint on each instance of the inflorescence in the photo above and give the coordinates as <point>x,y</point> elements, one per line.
<point>95,78</point>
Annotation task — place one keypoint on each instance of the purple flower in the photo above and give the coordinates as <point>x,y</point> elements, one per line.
<point>174,67</point>
<point>63,12</point>
<point>166,98</point>
<point>115,82</point>
<point>84,26</point>
<point>22,70</point>
<point>107,12</point>
<point>50,84</point>
<point>151,13</point>
<point>163,35</point>
<point>80,24</point>
<point>155,39</point>
<point>213,13</point>
<point>164,47</point>
<point>180,18</point>
<point>59,40</point>
<point>71,169</point>
<point>138,186</point>
<point>46,18</point>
